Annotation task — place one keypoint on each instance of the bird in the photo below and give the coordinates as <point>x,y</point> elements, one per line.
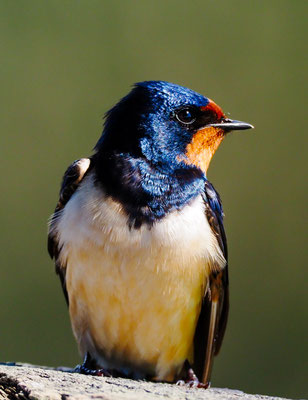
<point>138,239</point>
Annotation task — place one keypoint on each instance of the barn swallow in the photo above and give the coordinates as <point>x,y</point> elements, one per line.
<point>139,243</point>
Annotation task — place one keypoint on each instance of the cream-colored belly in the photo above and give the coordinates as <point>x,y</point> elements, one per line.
<point>135,295</point>
<point>140,309</point>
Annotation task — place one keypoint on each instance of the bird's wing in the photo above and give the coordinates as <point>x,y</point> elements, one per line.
<point>214,312</point>
<point>71,180</point>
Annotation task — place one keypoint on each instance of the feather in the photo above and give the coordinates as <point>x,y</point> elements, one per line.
<point>71,180</point>
<point>214,312</point>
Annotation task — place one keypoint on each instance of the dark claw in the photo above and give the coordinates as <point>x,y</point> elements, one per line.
<point>81,369</point>
<point>88,368</point>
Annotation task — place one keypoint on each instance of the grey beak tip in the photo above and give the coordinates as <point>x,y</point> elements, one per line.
<point>248,126</point>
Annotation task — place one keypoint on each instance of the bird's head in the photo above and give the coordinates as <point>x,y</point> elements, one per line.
<point>156,147</point>
<point>172,127</point>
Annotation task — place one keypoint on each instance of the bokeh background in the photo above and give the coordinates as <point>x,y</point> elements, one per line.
<point>64,63</point>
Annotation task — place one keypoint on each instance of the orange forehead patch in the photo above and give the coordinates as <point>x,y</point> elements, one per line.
<point>215,108</point>
<point>201,149</point>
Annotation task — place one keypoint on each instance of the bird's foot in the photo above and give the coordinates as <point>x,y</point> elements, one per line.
<point>81,369</point>
<point>192,381</point>
<point>88,368</point>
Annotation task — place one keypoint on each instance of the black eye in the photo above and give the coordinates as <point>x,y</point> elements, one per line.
<point>186,116</point>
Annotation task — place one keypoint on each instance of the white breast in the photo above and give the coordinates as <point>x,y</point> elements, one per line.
<point>90,216</point>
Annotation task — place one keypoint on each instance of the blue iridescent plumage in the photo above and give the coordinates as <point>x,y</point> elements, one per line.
<point>142,132</point>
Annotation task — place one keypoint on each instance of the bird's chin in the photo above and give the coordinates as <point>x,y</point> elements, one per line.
<point>203,146</point>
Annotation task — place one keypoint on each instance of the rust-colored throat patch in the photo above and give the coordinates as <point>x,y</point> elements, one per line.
<point>202,147</point>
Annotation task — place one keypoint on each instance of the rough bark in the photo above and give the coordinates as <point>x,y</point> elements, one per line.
<point>40,383</point>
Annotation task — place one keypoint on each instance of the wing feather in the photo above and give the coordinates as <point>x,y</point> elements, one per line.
<point>214,312</point>
<point>71,180</point>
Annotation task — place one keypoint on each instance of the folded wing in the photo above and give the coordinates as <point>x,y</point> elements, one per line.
<point>214,312</point>
<point>71,180</point>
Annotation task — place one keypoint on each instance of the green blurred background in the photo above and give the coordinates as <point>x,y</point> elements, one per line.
<point>64,63</point>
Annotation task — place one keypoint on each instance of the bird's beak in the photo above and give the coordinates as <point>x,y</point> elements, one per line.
<point>232,125</point>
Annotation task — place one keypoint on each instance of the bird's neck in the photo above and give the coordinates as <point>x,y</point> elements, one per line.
<point>146,192</point>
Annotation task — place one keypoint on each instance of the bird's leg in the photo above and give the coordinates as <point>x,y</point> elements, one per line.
<point>191,380</point>
<point>88,367</point>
